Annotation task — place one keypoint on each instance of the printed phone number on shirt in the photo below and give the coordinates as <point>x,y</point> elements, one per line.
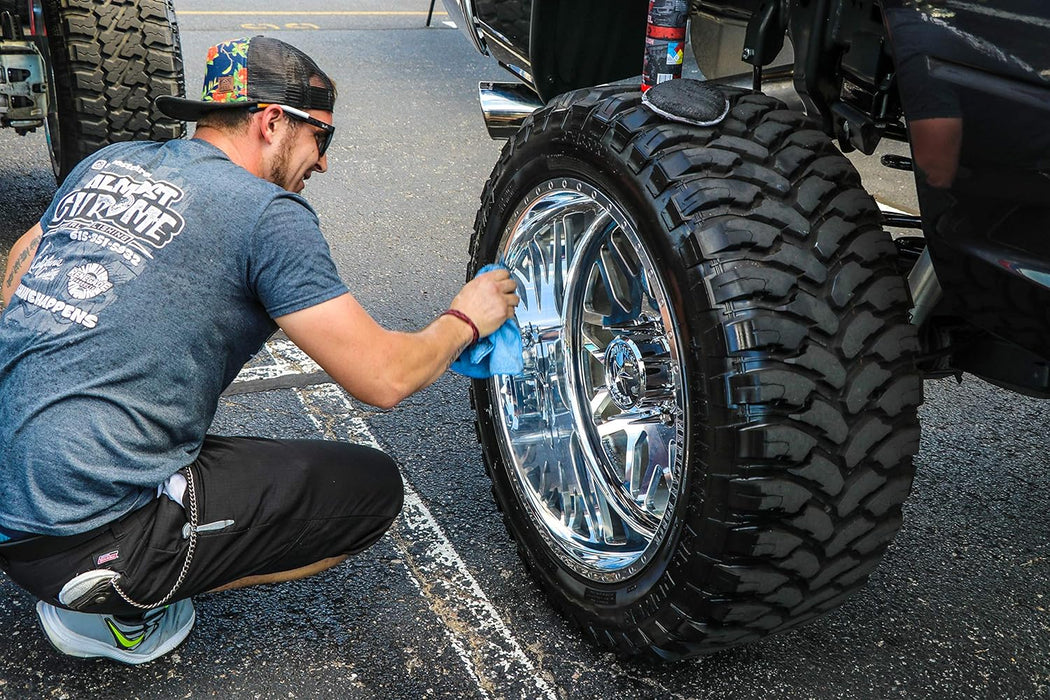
<point>104,242</point>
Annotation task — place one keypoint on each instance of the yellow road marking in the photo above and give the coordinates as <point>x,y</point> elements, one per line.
<point>312,13</point>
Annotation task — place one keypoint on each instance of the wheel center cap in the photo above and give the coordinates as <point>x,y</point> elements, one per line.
<point>624,372</point>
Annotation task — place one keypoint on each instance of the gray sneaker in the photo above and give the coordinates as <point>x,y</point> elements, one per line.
<point>129,641</point>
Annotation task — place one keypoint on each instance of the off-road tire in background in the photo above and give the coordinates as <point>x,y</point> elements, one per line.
<point>109,60</point>
<point>781,291</point>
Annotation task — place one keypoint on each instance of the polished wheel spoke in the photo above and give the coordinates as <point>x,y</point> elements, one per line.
<point>598,521</point>
<point>635,460</point>
<point>621,281</point>
<point>601,402</point>
<point>594,342</point>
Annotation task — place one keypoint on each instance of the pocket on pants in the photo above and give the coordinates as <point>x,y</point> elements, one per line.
<point>158,556</point>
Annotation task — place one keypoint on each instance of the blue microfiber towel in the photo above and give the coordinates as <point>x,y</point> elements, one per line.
<point>499,353</point>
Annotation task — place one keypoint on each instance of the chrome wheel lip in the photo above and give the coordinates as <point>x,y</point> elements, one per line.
<point>52,123</point>
<point>609,496</point>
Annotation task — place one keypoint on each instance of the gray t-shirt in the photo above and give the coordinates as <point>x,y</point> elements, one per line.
<point>159,273</point>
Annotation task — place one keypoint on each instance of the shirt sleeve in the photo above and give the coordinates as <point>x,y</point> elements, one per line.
<point>290,265</point>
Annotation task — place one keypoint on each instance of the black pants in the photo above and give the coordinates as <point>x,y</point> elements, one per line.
<point>292,503</point>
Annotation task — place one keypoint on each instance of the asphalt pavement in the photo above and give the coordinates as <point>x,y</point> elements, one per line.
<point>442,607</point>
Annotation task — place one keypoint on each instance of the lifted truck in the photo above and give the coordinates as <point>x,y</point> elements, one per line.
<point>724,349</point>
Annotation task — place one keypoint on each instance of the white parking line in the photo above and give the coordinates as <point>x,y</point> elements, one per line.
<point>488,650</point>
<point>287,359</point>
<point>890,209</point>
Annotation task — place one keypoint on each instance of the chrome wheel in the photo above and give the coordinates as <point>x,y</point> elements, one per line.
<point>592,432</point>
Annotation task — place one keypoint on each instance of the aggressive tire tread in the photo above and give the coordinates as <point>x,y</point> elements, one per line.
<point>110,60</point>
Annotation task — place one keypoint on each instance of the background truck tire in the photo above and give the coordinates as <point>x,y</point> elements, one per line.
<point>109,60</point>
<point>793,456</point>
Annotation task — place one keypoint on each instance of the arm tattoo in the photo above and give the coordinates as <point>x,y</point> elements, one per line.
<point>455,357</point>
<point>27,254</point>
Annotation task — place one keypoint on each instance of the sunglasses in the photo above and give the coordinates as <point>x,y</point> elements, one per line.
<point>323,137</point>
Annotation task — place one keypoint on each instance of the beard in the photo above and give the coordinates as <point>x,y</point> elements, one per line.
<point>279,165</point>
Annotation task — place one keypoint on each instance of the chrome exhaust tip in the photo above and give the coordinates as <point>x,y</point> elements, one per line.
<point>925,288</point>
<point>504,107</point>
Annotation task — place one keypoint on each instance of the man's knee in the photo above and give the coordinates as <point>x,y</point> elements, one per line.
<point>360,481</point>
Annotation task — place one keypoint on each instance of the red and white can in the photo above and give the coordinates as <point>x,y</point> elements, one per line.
<point>664,41</point>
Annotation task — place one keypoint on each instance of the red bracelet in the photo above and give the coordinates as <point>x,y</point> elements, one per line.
<point>465,319</point>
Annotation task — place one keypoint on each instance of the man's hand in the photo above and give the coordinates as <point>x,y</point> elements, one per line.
<point>488,300</point>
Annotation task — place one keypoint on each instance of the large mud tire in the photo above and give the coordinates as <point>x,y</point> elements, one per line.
<point>798,362</point>
<point>109,60</point>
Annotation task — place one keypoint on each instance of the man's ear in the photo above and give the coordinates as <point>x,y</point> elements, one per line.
<point>267,123</point>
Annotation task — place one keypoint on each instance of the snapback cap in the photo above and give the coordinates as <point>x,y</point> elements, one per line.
<point>246,72</point>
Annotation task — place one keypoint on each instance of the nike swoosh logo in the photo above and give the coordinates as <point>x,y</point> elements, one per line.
<point>121,639</point>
